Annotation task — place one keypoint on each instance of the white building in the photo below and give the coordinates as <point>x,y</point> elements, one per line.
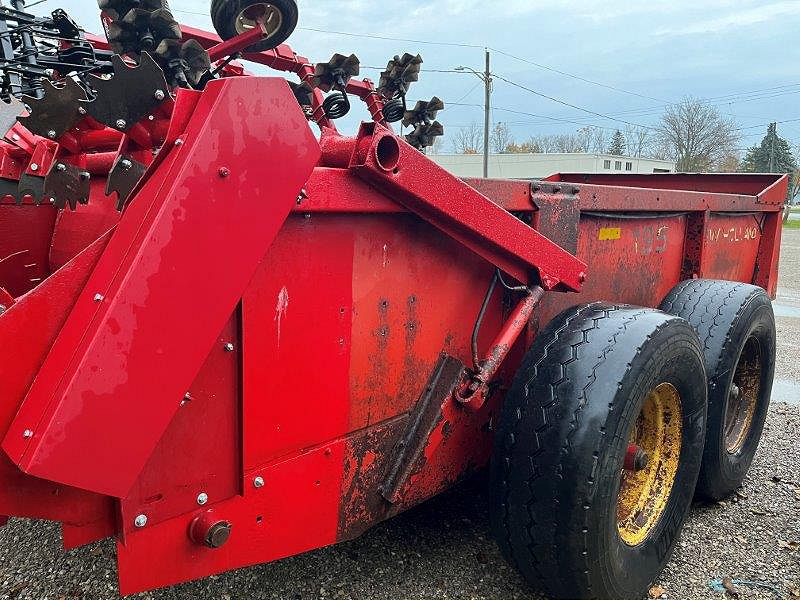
<point>533,166</point>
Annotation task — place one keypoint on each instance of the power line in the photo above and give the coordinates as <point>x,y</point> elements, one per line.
<point>573,76</point>
<point>565,103</point>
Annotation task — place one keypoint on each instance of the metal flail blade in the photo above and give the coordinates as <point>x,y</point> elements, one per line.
<point>67,185</point>
<point>184,63</point>
<point>123,6</point>
<point>130,95</point>
<point>336,72</point>
<point>423,112</point>
<point>400,73</point>
<point>302,92</point>
<point>164,26</point>
<point>9,113</point>
<point>10,188</point>
<point>124,176</point>
<point>31,185</point>
<point>57,111</point>
<point>424,135</point>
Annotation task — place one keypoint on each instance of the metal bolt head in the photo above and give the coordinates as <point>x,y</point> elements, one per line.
<point>121,123</point>
<point>81,110</point>
<point>27,434</point>
<point>224,172</point>
<point>61,167</point>
<point>179,142</point>
<point>159,95</point>
<point>125,164</point>
<point>140,521</point>
<point>3,308</point>
<point>15,137</point>
<point>202,499</point>
<point>258,482</point>
<point>34,167</point>
<point>51,134</point>
<point>229,347</point>
<point>99,297</point>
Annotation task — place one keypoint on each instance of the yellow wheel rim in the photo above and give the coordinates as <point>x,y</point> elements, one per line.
<point>743,397</point>
<point>646,486</point>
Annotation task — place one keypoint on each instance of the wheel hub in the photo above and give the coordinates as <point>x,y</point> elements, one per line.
<point>650,465</point>
<point>264,14</point>
<point>743,397</point>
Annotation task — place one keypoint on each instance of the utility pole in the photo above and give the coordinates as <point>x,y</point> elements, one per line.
<point>774,133</point>
<point>487,79</point>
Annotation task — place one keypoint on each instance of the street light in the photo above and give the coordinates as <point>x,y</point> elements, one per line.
<point>486,78</point>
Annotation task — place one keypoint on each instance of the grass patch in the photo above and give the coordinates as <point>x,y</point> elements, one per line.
<point>792,224</point>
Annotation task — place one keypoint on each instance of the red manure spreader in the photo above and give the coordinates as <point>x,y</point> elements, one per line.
<point>231,337</point>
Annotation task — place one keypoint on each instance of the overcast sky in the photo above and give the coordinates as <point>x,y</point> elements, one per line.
<point>658,51</point>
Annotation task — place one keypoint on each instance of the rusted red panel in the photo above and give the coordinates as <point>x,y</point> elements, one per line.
<point>732,243</point>
<point>631,260</point>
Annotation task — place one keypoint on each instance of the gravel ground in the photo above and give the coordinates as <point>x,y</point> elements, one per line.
<point>443,549</point>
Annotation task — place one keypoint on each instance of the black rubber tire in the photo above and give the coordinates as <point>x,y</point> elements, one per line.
<point>561,442</point>
<point>726,315</point>
<point>225,12</point>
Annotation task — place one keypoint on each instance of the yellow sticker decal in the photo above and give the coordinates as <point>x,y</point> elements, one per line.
<point>610,233</point>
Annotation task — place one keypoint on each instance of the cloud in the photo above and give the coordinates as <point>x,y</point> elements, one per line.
<point>740,18</point>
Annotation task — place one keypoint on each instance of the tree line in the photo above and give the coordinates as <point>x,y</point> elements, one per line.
<point>693,134</point>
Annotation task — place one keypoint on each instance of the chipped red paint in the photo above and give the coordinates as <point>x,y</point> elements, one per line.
<point>244,354</point>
